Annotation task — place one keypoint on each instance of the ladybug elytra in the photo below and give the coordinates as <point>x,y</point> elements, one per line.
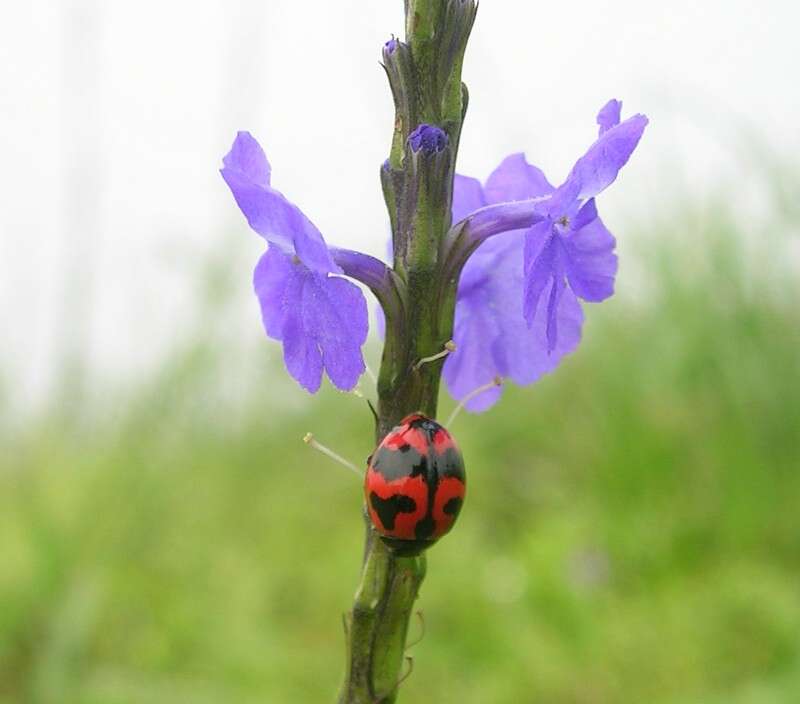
<point>415,485</point>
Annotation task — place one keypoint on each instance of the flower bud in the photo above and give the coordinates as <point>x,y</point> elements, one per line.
<point>425,206</point>
<point>459,17</point>
<point>390,48</point>
<point>399,66</point>
<point>429,139</point>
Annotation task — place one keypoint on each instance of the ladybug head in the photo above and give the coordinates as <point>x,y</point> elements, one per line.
<point>412,418</point>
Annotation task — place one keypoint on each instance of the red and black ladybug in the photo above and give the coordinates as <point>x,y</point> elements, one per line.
<point>415,485</point>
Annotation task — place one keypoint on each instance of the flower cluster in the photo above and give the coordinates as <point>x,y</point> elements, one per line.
<point>537,251</point>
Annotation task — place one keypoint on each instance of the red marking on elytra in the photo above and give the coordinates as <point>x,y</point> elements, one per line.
<point>403,435</point>
<point>449,488</point>
<point>405,523</point>
<point>442,441</point>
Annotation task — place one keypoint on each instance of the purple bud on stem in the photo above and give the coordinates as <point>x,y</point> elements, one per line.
<point>428,139</point>
<point>391,46</point>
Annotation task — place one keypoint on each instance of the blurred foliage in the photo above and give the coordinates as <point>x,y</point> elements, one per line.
<point>631,532</point>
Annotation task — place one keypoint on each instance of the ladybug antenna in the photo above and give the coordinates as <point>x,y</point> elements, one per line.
<point>497,381</point>
<point>311,442</point>
<point>449,348</point>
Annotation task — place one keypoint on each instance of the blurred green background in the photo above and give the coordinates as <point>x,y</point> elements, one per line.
<point>631,532</point>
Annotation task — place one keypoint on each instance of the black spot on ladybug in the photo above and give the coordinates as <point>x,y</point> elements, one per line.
<point>387,509</point>
<point>404,448</point>
<point>452,507</point>
<point>394,465</point>
<point>424,529</point>
<point>420,469</point>
<point>451,464</point>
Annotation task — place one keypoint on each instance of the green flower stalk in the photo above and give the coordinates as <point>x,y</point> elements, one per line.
<point>430,102</point>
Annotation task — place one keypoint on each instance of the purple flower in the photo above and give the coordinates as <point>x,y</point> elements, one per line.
<point>321,318</point>
<point>491,335</point>
<point>517,312</point>
<point>571,247</point>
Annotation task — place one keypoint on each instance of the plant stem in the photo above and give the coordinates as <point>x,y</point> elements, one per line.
<point>377,626</point>
<point>425,75</point>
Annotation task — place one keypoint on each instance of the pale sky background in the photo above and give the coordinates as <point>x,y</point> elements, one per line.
<point>114,116</point>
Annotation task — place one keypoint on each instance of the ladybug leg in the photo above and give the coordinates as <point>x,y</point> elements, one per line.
<point>319,447</point>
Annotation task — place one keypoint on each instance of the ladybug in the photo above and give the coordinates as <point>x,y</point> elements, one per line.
<point>415,485</point>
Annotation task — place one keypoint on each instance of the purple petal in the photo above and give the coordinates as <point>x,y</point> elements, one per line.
<point>321,320</point>
<point>553,304</point>
<point>339,313</point>
<point>590,262</point>
<point>516,193</point>
<point>491,334</point>
<point>479,322</point>
<point>598,168</point>
<point>364,268</point>
<point>504,217</point>
<point>563,201</point>
<point>270,279</point>
<point>268,212</point>
<point>301,355</point>
<point>609,115</point>
<point>587,214</point>
<point>541,265</point>
<point>467,197</point>
<point>556,326</point>
<point>247,158</point>
<point>516,179</point>
<point>473,364</point>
